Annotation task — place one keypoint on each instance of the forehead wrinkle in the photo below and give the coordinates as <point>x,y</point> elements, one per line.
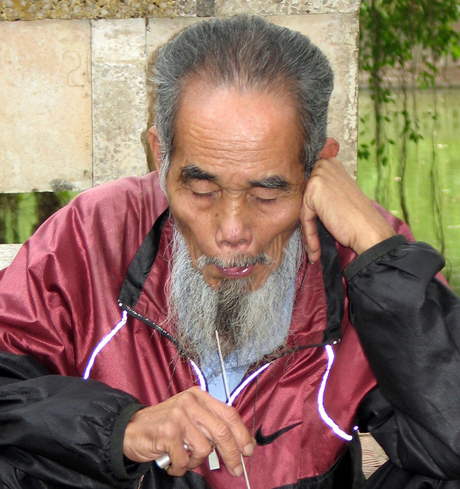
<point>215,141</point>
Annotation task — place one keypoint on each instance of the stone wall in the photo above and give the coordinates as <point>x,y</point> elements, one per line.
<point>122,9</point>
<point>74,97</point>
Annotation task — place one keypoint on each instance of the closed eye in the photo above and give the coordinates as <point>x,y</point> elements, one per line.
<point>203,195</point>
<point>265,201</point>
<point>268,190</point>
<point>265,196</point>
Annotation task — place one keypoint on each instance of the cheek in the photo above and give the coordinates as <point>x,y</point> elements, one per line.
<point>283,218</point>
<point>275,230</point>
<point>196,227</point>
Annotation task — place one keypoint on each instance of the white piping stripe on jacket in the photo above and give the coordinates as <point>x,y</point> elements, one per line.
<point>104,342</point>
<point>238,390</point>
<point>324,416</point>
<point>322,412</point>
<point>200,375</point>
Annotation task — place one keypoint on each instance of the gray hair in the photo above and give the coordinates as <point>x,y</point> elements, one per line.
<point>249,53</point>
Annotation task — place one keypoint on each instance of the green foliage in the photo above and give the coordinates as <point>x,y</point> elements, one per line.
<point>408,35</point>
<point>22,214</point>
<point>401,45</point>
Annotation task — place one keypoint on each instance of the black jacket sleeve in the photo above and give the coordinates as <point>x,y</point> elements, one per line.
<point>59,431</point>
<point>409,326</point>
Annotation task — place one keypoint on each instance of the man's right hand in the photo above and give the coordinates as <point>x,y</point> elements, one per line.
<point>194,418</point>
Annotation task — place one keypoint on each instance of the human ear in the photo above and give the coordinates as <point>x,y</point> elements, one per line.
<point>330,149</point>
<point>155,145</point>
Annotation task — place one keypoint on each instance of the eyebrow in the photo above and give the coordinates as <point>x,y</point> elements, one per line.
<point>193,172</point>
<point>275,182</point>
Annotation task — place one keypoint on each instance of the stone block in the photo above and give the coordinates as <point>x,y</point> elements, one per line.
<point>85,9</point>
<point>186,8</point>
<point>326,6</point>
<point>205,8</point>
<point>337,36</point>
<point>159,31</point>
<point>45,106</point>
<point>224,8</point>
<point>7,254</point>
<point>119,98</point>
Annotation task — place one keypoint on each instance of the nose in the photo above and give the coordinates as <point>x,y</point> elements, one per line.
<point>233,225</point>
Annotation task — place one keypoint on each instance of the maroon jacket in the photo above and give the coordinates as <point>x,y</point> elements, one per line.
<point>63,301</point>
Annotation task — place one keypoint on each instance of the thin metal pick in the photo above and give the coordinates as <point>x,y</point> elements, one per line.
<point>227,393</point>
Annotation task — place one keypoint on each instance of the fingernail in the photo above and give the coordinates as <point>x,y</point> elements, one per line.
<point>248,450</point>
<point>238,471</point>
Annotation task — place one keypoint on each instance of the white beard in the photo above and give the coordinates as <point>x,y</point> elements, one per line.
<point>251,324</point>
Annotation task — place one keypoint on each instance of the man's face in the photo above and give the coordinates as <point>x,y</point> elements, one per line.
<point>236,182</point>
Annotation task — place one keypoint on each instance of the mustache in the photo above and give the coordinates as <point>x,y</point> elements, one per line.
<point>234,261</point>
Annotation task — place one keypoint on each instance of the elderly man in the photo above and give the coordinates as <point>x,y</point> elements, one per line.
<point>127,295</point>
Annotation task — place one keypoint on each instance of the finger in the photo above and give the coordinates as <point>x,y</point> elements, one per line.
<point>186,452</point>
<point>155,430</point>
<point>210,421</point>
<point>310,231</point>
<point>228,448</point>
<point>312,242</point>
<point>199,448</point>
<point>244,440</point>
<point>228,433</point>
<point>185,414</point>
<point>179,460</point>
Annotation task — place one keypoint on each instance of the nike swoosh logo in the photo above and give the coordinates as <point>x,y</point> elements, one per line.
<point>267,439</point>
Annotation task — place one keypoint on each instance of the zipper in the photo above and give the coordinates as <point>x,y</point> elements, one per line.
<point>147,321</point>
<point>245,382</point>
<point>195,367</point>
<point>199,374</point>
